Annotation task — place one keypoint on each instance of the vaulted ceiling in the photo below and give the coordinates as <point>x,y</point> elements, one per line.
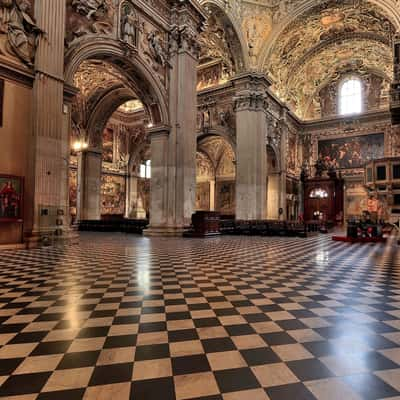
<point>303,45</point>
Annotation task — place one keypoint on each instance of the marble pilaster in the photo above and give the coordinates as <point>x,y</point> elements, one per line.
<point>89,185</point>
<point>251,129</point>
<point>50,145</point>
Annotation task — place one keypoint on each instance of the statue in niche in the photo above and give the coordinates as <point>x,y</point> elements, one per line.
<point>22,31</point>
<point>205,119</point>
<point>129,25</point>
<point>89,8</point>
<point>158,53</point>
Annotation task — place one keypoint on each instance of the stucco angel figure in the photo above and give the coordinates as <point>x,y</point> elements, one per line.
<point>89,7</point>
<point>157,49</point>
<point>22,30</point>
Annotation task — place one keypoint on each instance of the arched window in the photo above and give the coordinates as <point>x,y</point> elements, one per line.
<point>145,169</point>
<point>350,97</point>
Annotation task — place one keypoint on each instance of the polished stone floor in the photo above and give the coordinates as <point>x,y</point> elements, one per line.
<point>123,317</point>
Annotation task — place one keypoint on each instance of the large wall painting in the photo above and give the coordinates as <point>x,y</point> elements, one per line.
<point>11,194</point>
<point>226,197</point>
<point>112,195</point>
<point>203,196</point>
<point>352,152</point>
<point>108,145</point>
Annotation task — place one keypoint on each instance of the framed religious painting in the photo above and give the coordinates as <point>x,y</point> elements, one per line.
<point>11,198</point>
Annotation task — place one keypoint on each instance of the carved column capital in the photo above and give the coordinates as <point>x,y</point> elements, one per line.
<point>251,100</point>
<point>187,23</point>
<point>158,132</point>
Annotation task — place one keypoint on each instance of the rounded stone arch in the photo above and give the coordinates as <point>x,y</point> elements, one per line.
<point>138,73</point>
<point>212,132</point>
<point>388,7</point>
<point>235,22</point>
<point>103,110</point>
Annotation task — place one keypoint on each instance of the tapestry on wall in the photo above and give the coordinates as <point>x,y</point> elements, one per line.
<point>352,152</point>
<point>112,195</point>
<point>11,194</point>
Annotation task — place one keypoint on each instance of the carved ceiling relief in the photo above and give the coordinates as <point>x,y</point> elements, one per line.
<point>18,30</point>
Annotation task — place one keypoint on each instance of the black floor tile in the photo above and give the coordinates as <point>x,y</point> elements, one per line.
<point>190,364</point>
<point>234,380</point>
<point>109,374</point>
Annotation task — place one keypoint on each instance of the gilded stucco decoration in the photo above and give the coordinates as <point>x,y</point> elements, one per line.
<point>220,50</point>
<point>329,39</point>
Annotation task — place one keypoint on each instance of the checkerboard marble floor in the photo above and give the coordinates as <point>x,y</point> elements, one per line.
<point>129,318</point>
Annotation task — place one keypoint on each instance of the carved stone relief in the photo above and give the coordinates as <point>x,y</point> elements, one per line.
<point>19,32</point>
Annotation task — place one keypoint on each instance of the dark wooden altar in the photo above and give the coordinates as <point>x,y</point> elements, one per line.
<point>323,199</point>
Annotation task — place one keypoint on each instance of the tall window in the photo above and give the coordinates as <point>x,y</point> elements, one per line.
<point>350,97</point>
<point>145,169</point>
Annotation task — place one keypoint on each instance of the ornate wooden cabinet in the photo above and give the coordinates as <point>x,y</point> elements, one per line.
<point>323,199</point>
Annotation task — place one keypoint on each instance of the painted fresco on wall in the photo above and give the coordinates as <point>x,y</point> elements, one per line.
<point>203,196</point>
<point>352,152</point>
<point>112,194</point>
<point>108,145</point>
<point>11,194</point>
<point>226,197</point>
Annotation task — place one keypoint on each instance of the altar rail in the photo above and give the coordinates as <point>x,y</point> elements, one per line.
<point>114,225</point>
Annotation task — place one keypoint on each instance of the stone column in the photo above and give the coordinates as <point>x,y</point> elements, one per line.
<point>212,195</point>
<point>251,130</point>
<point>395,87</point>
<point>283,171</point>
<point>89,185</point>
<point>50,144</point>
<point>180,145</point>
<point>134,207</point>
<point>159,137</point>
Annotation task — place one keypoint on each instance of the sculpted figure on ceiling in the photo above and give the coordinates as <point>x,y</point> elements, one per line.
<point>21,29</point>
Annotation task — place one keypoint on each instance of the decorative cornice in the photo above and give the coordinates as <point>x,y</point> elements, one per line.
<point>17,73</point>
<point>159,131</point>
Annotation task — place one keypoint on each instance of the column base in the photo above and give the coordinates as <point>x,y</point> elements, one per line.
<point>39,238</point>
<point>164,231</point>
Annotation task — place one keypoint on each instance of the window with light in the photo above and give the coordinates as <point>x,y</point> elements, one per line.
<point>350,97</point>
<point>145,169</point>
